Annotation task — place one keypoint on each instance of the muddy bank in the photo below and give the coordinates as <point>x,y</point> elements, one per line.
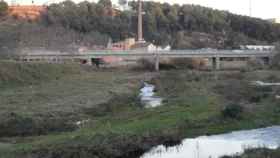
<point>105,146</point>
<point>134,146</point>
<point>258,153</point>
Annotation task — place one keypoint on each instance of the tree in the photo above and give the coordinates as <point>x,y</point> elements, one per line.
<point>233,111</point>
<point>122,2</point>
<point>3,8</point>
<point>105,3</point>
<point>187,26</point>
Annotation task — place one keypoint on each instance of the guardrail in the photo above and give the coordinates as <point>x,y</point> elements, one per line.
<point>172,53</point>
<point>87,56</point>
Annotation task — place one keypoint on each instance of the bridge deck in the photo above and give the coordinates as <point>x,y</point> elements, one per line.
<point>181,53</point>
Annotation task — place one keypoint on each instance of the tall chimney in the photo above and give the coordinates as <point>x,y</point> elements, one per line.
<point>140,22</point>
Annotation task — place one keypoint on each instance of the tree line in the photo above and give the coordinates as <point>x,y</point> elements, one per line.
<point>181,26</point>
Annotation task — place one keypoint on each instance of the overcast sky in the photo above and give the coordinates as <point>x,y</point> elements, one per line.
<point>260,8</point>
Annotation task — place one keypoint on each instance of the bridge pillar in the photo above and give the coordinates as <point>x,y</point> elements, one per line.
<point>216,64</point>
<point>157,63</point>
<point>89,61</point>
<point>56,59</point>
<point>270,60</point>
<point>264,60</point>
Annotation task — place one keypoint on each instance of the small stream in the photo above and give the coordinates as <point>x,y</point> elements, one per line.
<point>219,145</point>
<point>147,96</point>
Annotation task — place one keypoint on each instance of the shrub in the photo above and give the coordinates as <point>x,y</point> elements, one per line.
<point>272,78</point>
<point>114,105</point>
<point>255,63</point>
<point>3,8</point>
<point>12,73</point>
<point>232,111</point>
<point>146,63</point>
<point>189,63</point>
<point>240,90</point>
<point>256,94</point>
<point>18,125</point>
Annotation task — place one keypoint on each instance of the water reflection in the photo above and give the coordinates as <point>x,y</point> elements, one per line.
<point>220,145</point>
<point>147,96</point>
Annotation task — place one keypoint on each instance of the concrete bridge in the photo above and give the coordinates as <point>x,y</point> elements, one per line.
<point>214,55</point>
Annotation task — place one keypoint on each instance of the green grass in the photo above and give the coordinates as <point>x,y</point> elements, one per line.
<point>17,74</point>
<point>118,125</point>
<point>258,153</point>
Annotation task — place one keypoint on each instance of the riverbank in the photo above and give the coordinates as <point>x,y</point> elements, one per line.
<point>112,122</point>
<point>216,146</point>
<point>258,153</point>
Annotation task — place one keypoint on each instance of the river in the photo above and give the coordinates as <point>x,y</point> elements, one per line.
<point>219,145</point>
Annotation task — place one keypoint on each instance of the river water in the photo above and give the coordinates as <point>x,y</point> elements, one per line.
<point>219,145</point>
<point>147,96</point>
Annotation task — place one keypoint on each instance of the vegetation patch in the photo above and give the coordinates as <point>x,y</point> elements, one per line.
<point>18,125</point>
<point>257,153</point>
<point>232,111</point>
<point>120,128</point>
<point>14,74</point>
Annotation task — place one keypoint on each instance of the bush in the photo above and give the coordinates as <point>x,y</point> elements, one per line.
<point>12,73</point>
<point>258,93</point>
<point>232,111</point>
<point>146,63</point>
<point>189,63</point>
<point>255,64</point>
<point>257,153</point>
<point>241,90</point>
<point>114,105</point>
<point>18,125</point>
<point>3,8</point>
<point>272,78</point>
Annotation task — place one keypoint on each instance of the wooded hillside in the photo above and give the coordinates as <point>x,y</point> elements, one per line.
<point>186,26</point>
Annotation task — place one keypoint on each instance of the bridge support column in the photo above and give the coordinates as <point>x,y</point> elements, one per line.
<point>157,63</point>
<point>56,59</point>
<point>216,63</point>
<point>270,60</point>
<point>89,61</point>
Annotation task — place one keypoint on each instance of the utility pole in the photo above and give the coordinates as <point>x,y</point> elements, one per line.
<point>140,22</point>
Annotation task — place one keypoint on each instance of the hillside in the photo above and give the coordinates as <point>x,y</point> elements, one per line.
<point>187,26</point>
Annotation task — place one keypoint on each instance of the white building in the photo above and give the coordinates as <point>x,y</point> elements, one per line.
<point>258,47</point>
<point>145,46</point>
<point>274,20</point>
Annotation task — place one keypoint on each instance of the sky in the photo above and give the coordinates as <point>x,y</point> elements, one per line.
<point>265,9</point>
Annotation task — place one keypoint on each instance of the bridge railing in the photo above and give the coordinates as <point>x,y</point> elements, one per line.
<point>195,53</point>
